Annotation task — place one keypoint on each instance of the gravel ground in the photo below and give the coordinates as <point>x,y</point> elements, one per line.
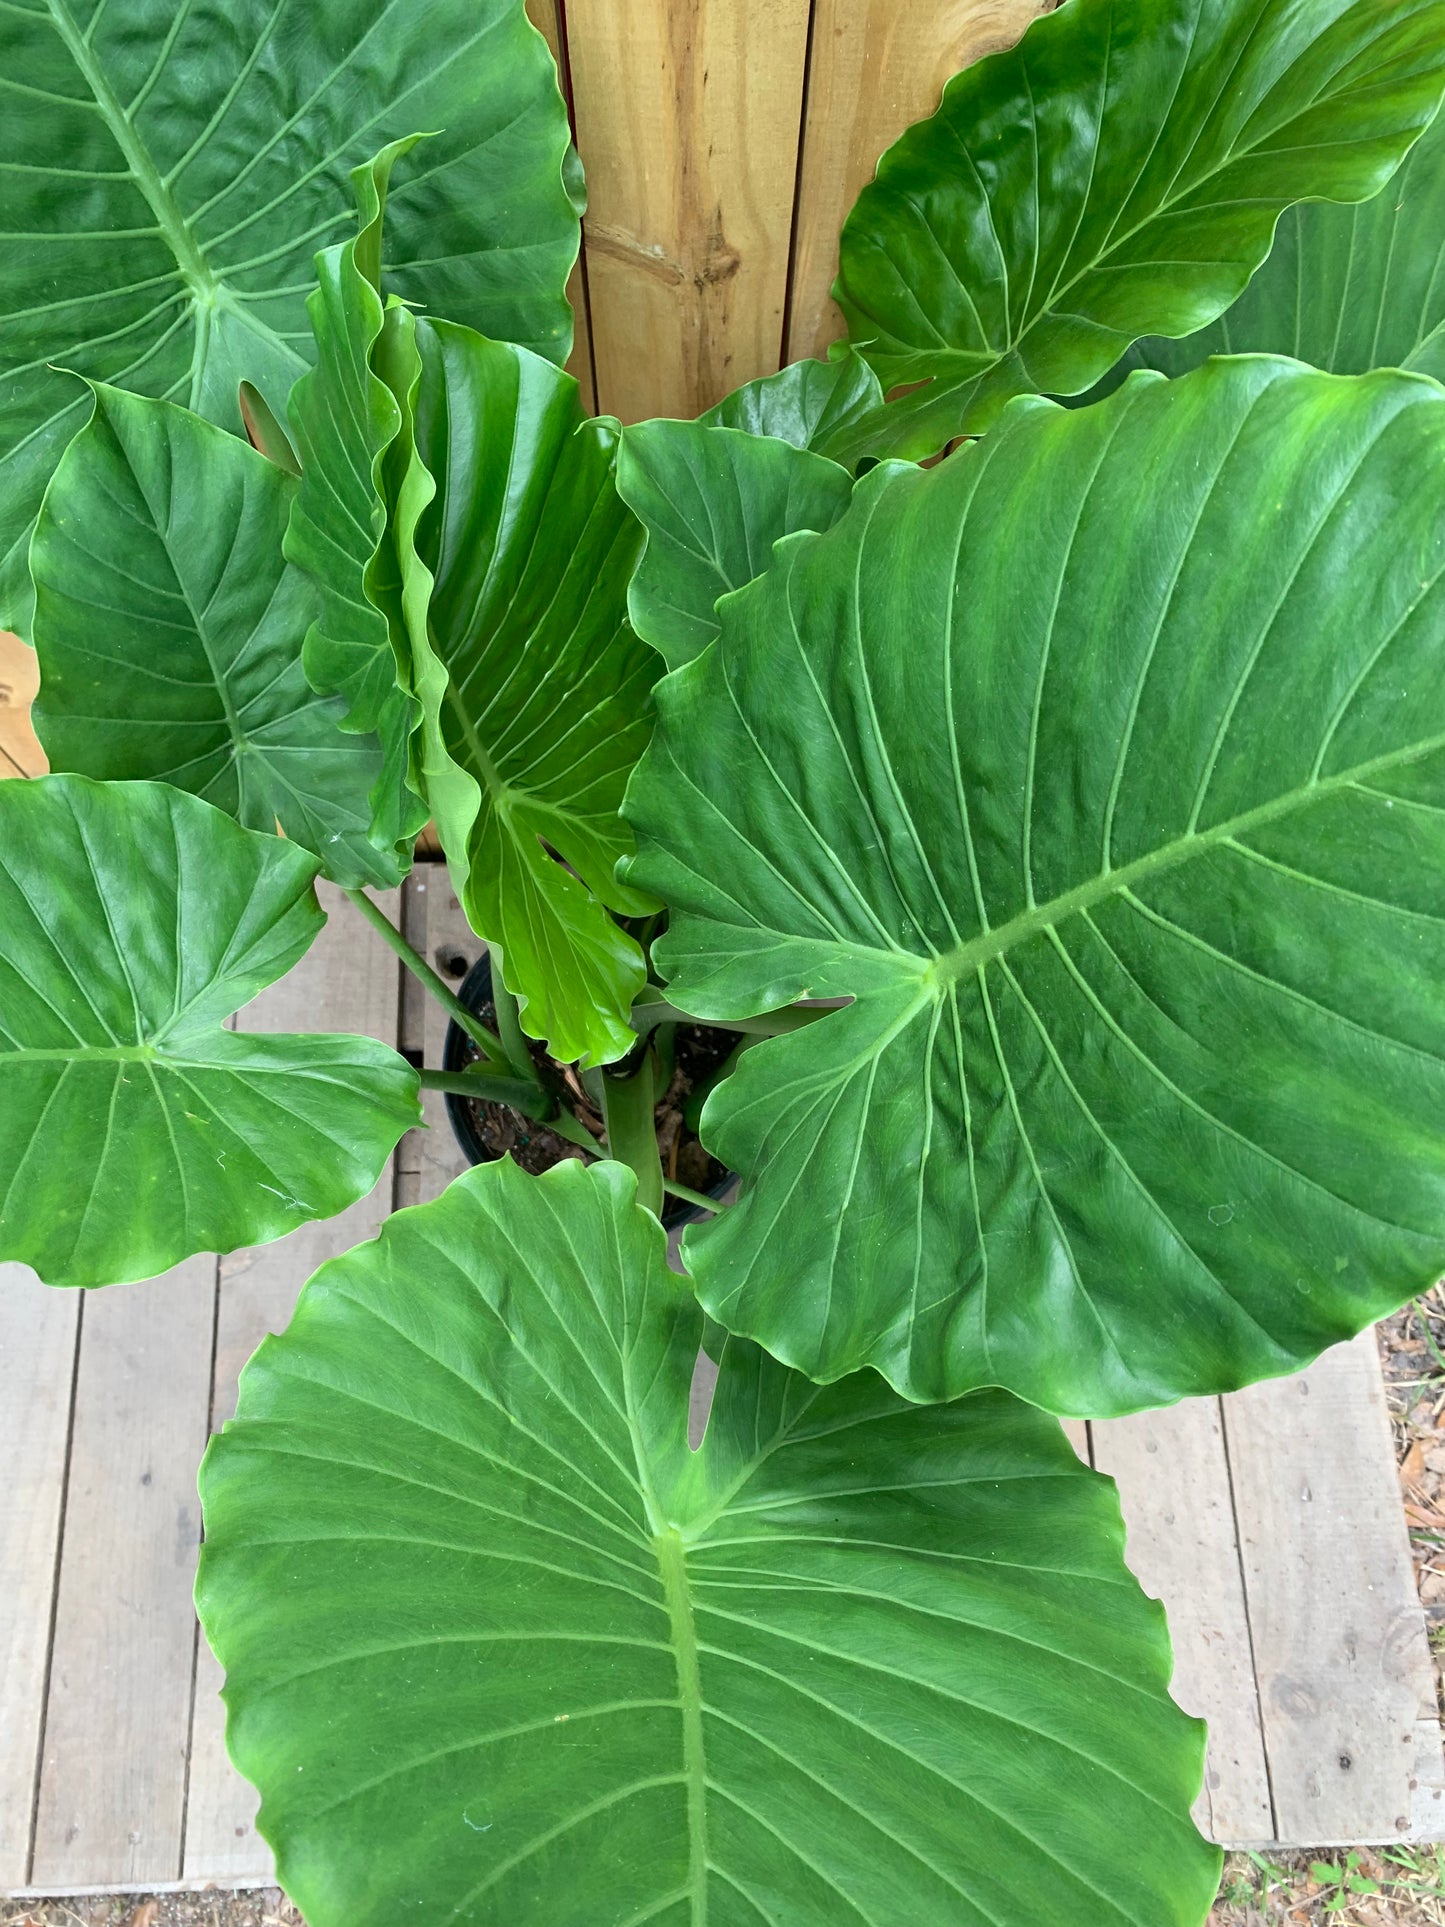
<point>1389,1888</point>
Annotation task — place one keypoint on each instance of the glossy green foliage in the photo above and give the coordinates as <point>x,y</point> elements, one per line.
<point>345,419</point>
<point>1131,864</point>
<point>169,626</point>
<point>812,404</point>
<point>543,709</point>
<point>713,502</point>
<point>1344,288</point>
<point>134,1128</point>
<point>500,1648</point>
<point>166,174</point>
<point>1118,173</point>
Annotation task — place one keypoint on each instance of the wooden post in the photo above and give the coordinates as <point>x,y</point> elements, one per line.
<point>688,116</point>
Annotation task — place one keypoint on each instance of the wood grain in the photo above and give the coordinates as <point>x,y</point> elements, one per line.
<point>545,16</point>
<point>20,751</point>
<point>348,981</point>
<point>1339,1637</point>
<point>1173,1478</point>
<point>38,1330</point>
<point>117,1722</point>
<point>688,115</point>
<point>876,68</point>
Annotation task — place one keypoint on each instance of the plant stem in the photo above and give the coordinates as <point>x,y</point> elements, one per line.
<point>689,1196</point>
<point>509,1023</point>
<point>627,1106</point>
<point>530,1099</point>
<point>490,1047</point>
<point>776,1024</point>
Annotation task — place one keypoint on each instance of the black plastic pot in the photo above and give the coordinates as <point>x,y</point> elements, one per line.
<point>476,993</point>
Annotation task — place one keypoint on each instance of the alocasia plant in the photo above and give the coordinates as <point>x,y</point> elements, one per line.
<point>1061,822</point>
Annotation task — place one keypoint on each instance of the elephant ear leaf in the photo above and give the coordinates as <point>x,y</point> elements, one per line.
<point>166,174</point>
<point>1345,288</point>
<point>534,687</point>
<point>500,1647</point>
<point>1130,865</point>
<point>1118,173</point>
<point>345,420</point>
<point>169,627</point>
<point>713,502</point>
<point>135,1129</point>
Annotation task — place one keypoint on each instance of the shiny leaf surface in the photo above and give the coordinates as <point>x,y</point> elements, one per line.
<point>169,626</point>
<point>134,1128</point>
<point>1119,812</point>
<point>166,174</point>
<point>1118,173</point>
<point>713,502</point>
<point>543,709</point>
<point>501,1649</point>
<point>1345,289</point>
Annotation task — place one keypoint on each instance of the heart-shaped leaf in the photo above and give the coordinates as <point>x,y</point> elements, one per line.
<point>543,709</point>
<point>713,502</point>
<point>166,174</point>
<point>501,1649</point>
<point>1103,766</point>
<point>169,626</point>
<point>134,1128</point>
<point>1344,288</point>
<point>1117,173</point>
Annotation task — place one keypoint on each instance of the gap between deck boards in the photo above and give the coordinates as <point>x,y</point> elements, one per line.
<point>1269,1521</point>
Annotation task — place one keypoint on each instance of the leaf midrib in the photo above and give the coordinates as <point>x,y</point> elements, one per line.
<point>971,956</point>
<point>175,229</point>
<point>672,1561</point>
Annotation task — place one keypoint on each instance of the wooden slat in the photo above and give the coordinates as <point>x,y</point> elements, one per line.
<point>38,1330</point>
<point>1340,1647</point>
<point>20,752</point>
<point>544,16</point>
<point>451,949</point>
<point>118,1715</point>
<point>1173,1478</point>
<point>876,67</point>
<point>349,981</point>
<point>688,115</point>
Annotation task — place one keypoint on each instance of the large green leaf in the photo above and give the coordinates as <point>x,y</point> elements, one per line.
<point>1347,289</point>
<point>544,707</point>
<point>134,1128</point>
<point>166,173</point>
<point>713,502</point>
<point>346,419</point>
<point>1104,768</point>
<point>169,626</point>
<point>501,1649</point>
<point>1118,173</point>
<point>809,403</point>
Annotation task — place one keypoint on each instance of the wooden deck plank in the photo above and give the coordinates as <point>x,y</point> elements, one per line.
<point>20,751</point>
<point>39,1327</point>
<point>1340,1647</point>
<point>452,948</point>
<point>689,221</point>
<point>117,1719</point>
<point>349,981</point>
<point>876,67</point>
<point>1173,1478</point>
